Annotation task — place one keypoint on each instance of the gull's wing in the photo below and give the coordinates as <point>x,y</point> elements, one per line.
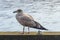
<point>26,20</point>
<point>29,16</point>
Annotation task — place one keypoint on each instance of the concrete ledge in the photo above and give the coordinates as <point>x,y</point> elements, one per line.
<point>31,33</point>
<point>50,33</point>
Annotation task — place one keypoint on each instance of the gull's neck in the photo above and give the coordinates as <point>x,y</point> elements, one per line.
<point>20,13</point>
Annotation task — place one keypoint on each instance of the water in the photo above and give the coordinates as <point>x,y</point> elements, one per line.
<point>43,11</point>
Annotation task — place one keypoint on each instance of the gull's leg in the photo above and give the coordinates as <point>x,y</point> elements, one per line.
<point>23,30</point>
<point>39,32</point>
<point>28,30</point>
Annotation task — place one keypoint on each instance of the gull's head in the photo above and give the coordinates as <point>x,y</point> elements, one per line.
<point>18,11</point>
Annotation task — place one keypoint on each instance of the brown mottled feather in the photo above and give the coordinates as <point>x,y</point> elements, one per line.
<point>25,20</point>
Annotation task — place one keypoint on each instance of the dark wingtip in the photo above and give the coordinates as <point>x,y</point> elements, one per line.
<point>46,29</point>
<point>43,28</point>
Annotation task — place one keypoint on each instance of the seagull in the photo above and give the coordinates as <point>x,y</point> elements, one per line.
<point>27,20</point>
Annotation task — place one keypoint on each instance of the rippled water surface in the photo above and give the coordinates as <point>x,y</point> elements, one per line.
<point>46,12</point>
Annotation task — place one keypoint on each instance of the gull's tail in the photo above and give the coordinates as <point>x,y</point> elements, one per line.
<point>38,26</point>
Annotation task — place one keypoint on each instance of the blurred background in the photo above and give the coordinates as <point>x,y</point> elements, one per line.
<point>46,12</point>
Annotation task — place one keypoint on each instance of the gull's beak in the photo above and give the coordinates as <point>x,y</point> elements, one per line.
<point>14,11</point>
